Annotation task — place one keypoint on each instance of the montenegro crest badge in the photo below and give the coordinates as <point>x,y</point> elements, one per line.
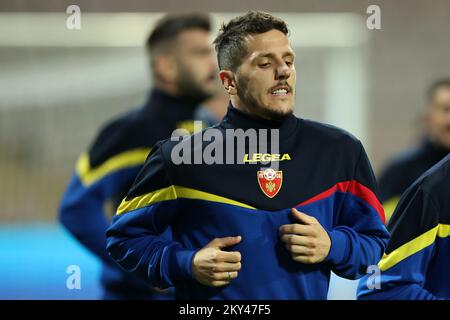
<point>270,181</point>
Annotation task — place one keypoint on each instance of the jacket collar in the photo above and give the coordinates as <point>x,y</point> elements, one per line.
<point>237,119</point>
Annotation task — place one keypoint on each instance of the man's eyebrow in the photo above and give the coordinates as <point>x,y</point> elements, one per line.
<point>271,55</point>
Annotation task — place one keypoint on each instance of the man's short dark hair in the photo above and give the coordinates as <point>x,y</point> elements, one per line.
<point>171,25</point>
<point>435,86</point>
<point>230,43</point>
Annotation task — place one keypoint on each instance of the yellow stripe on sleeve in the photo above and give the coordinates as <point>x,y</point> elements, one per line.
<point>189,193</point>
<point>148,199</point>
<point>172,193</point>
<point>408,249</point>
<point>444,231</point>
<point>123,160</point>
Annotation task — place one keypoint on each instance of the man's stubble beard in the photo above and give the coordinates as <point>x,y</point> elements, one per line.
<point>253,106</point>
<point>189,89</point>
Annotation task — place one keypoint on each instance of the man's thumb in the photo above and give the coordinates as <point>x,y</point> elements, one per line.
<point>224,242</point>
<point>302,217</point>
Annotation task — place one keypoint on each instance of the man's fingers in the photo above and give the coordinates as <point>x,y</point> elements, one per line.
<point>300,250</point>
<point>306,259</point>
<point>230,257</point>
<point>227,267</point>
<point>299,229</point>
<point>224,242</point>
<point>303,217</point>
<point>219,283</point>
<point>294,239</point>
<point>213,267</point>
<point>224,276</point>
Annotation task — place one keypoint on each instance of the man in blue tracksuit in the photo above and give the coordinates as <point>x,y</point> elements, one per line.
<point>252,224</point>
<point>184,73</point>
<point>417,259</point>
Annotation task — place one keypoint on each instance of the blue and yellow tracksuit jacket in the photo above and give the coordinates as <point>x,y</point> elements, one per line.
<point>324,172</point>
<point>415,264</point>
<point>404,170</point>
<point>105,174</point>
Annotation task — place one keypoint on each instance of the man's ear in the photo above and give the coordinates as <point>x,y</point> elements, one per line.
<point>165,68</point>
<point>228,81</point>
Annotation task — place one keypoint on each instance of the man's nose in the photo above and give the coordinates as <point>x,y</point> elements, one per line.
<point>283,72</point>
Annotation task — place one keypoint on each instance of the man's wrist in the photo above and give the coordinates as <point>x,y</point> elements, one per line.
<point>180,263</point>
<point>338,246</point>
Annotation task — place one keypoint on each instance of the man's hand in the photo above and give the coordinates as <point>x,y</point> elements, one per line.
<point>307,241</point>
<point>215,268</point>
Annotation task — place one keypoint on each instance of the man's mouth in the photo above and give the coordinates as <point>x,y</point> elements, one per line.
<point>281,91</point>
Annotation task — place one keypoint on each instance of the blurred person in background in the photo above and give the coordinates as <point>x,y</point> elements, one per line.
<point>408,166</point>
<point>416,261</point>
<point>184,73</point>
<point>214,109</point>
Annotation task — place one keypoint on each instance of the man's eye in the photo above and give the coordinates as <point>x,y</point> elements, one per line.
<point>289,63</point>
<point>264,65</point>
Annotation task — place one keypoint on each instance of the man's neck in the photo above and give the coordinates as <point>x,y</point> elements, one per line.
<point>167,88</point>
<point>240,106</point>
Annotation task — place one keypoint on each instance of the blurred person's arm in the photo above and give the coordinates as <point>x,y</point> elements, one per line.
<point>83,206</point>
<point>412,246</point>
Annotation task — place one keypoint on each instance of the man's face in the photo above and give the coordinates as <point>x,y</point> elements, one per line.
<point>196,65</point>
<point>265,81</point>
<point>438,118</point>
